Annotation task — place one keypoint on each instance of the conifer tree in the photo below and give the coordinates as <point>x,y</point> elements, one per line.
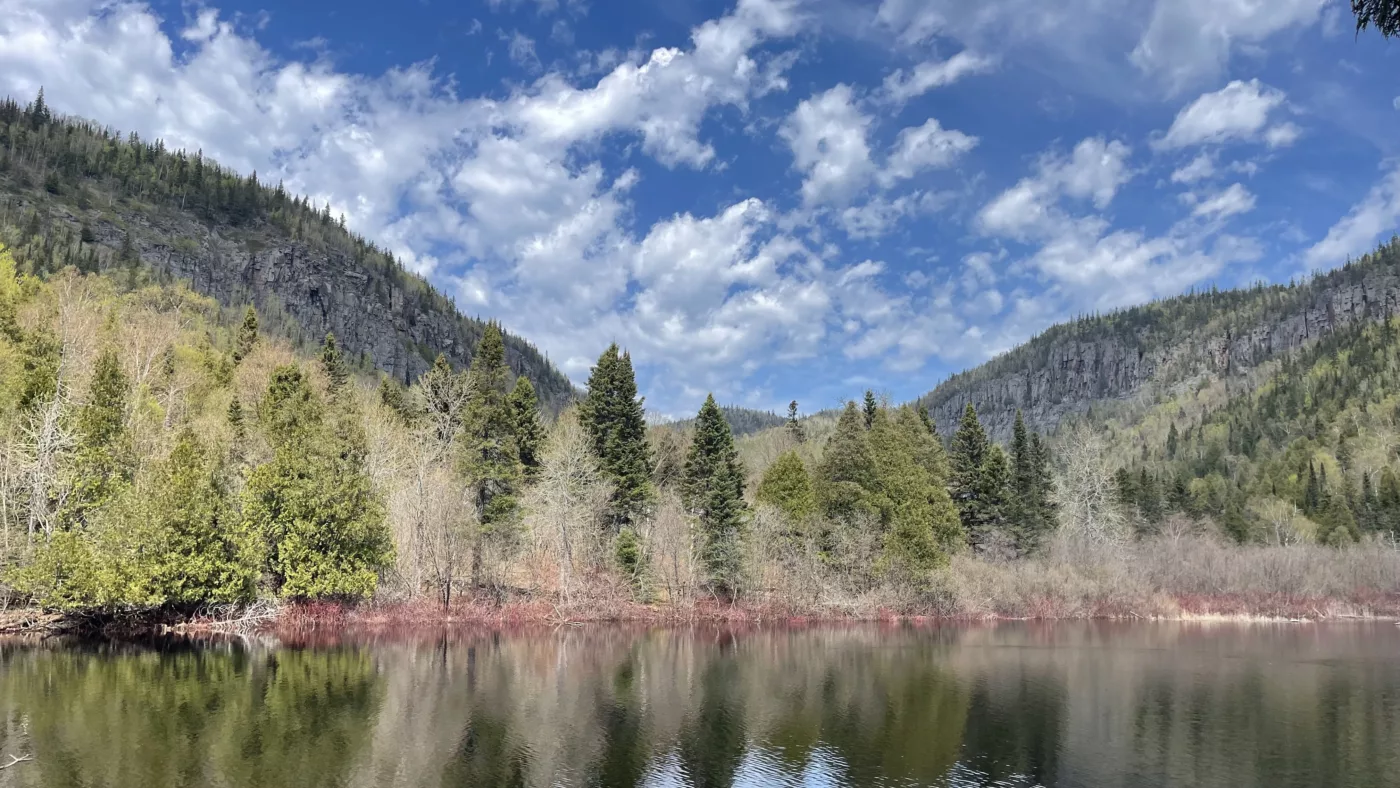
<point>103,462</point>
<point>1022,506</point>
<point>1172,440</point>
<point>794,427</point>
<point>916,514</point>
<point>871,407</point>
<point>490,458</point>
<point>615,419</point>
<point>712,489</point>
<point>333,365</point>
<point>525,418</point>
<point>927,421</point>
<point>247,335</point>
<point>927,448</point>
<point>994,494</point>
<point>393,396</point>
<point>787,486</point>
<point>236,420</point>
<point>847,468</point>
<point>968,454</point>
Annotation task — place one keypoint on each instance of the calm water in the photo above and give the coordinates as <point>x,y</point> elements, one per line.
<point>1008,705</point>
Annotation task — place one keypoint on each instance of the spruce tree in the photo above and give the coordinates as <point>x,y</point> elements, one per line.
<point>1022,505</point>
<point>1172,440</point>
<point>490,458</point>
<point>871,407</point>
<point>994,495</point>
<point>712,490</point>
<point>393,396</point>
<point>794,427</point>
<point>236,421</point>
<point>927,421</point>
<point>615,419</point>
<point>787,486</point>
<point>103,463</point>
<point>525,418</point>
<point>333,365</point>
<point>968,454</point>
<point>847,469</point>
<point>247,335</point>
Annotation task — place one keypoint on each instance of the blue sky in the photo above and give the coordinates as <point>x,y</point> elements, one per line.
<point>773,199</point>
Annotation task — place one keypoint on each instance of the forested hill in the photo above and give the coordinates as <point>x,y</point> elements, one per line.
<point>135,205</point>
<point>1135,357</point>
<point>742,421</point>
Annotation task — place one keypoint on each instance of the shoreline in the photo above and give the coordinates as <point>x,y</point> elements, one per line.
<point>300,619</point>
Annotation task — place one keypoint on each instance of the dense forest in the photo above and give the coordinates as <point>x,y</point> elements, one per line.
<point>157,452</point>
<point>73,193</point>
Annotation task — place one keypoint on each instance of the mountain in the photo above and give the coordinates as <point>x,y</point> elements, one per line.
<point>1128,359</point>
<point>742,421</point>
<point>138,206</point>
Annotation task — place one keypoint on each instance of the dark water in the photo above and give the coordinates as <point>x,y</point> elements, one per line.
<point>1008,705</point>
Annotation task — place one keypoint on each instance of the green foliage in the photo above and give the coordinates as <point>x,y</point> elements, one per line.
<point>444,394</point>
<point>489,455</point>
<point>847,470</point>
<point>712,489</point>
<point>615,420</point>
<point>317,523</point>
<point>871,408</point>
<point>919,520</point>
<point>787,486</point>
<point>333,365</point>
<point>794,427</point>
<point>104,463</point>
<point>247,336</point>
<point>1383,15</point>
<point>525,421</point>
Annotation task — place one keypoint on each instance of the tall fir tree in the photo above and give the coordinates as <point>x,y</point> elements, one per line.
<point>525,418</point>
<point>871,408</point>
<point>847,468</point>
<point>333,365</point>
<point>103,464</point>
<point>490,458</point>
<point>967,455</point>
<point>712,490</point>
<point>615,419</point>
<point>247,335</point>
<point>1022,506</point>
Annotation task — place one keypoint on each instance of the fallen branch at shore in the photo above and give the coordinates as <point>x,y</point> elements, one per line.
<point>14,759</point>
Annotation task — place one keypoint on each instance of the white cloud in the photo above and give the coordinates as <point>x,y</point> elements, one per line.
<point>1357,233</point>
<point>1094,170</point>
<point>1240,111</point>
<point>1396,102</point>
<point>1224,204</point>
<point>929,146</point>
<point>827,134</point>
<point>1189,41</point>
<point>900,87</point>
<point>1198,169</point>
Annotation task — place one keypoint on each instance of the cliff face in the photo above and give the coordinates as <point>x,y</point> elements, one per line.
<point>1117,357</point>
<point>315,288</point>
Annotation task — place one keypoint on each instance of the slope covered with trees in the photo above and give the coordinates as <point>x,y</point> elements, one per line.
<point>75,193</point>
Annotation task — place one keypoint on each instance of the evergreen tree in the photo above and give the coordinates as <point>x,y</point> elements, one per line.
<point>615,420</point>
<point>1149,498</point>
<point>103,463</point>
<point>333,365</point>
<point>787,486</point>
<point>968,455</point>
<point>847,468</point>
<point>994,493</point>
<point>1022,506</point>
<point>490,457</point>
<point>236,421</point>
<point>712,489</point>
<point>918,518</point>
<point>927,421</point>
<point>247,335</point>
<point>871,407</point>
<point>1172,441</point>
<point>525,417</point>
<point>794,427</point>
<point>311,510</point>
<point>393,396</point>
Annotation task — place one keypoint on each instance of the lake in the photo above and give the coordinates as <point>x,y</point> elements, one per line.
<point>1011,704</point>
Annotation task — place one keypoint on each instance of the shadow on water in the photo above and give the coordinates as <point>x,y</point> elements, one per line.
<point>1071,704</point>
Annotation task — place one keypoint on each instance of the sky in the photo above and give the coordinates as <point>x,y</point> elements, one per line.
<point>772,199</point>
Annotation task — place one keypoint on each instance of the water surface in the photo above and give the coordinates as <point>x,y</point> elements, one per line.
<point>1006,705</point>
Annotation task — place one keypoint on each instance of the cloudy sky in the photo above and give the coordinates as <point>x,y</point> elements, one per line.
<point>780,198</point>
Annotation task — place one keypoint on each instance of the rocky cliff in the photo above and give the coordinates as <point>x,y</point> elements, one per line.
<point>1144,350</point>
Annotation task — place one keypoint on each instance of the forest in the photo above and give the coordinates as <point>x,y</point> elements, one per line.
<point>160,450</point>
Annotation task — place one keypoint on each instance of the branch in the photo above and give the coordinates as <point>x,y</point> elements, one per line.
<point>15,759</point>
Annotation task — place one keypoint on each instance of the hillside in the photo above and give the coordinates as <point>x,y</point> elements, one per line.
<point>1131,358</point>
<point>134,205</point>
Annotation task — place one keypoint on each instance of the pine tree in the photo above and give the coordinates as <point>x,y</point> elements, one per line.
<point>968,454</point>
<point>871,407</point>
<point>1022,507</point>
<point>103,463</point>
<point>490,458</point>
<point>712,489</point>
<point>787,486</point>
<point>236,421</point>
<point>525,418</point>
<point>847,468</point>
<point>1172,441</point>
<point>794,427</point>
<point>333,365</point>
<point>615,419</point>
<point>928,423</point>
<point>247,335</point>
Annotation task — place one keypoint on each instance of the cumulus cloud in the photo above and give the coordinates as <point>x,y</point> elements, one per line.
<point>1226,203</point>
<point>827,134</point>
<point>1239,112</point>
<point>900,87</point>
<point>929,146</point>
<point>1198,169</point>
<point>1357,232</point>
<point>1094,170</point>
